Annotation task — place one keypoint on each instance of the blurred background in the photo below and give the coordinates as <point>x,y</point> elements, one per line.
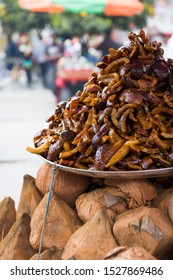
<point>48,49</point>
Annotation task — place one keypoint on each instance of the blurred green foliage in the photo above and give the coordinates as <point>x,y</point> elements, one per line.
<point>13,18</point>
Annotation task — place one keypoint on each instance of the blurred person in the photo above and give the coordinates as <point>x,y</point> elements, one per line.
<point>11,52</point>
<point>85,48</point>
<point>53,53</point>
<point>67,48</point>
<point>25,50</point>
<point>85,44</point>
<point>109,41</point>
<point>76,47</point>
<point>88,50</point>
<point>39,56</point>
<point>168,47</point>
<point>73,47</point>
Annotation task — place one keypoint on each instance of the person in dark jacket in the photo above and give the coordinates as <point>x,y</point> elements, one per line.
<point>12,53</point>
<point>107,43</point>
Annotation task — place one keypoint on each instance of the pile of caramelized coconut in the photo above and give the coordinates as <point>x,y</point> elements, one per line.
<point>123,117</point>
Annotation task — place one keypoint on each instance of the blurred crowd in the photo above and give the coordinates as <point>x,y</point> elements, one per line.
<point>45,53</point>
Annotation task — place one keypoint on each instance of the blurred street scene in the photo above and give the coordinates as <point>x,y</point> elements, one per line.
<point>22,113</point>
<point>46,56</point>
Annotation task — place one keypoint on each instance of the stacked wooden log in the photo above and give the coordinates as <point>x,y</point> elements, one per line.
<point>88,219</point>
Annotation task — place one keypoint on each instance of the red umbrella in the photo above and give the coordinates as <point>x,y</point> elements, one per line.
<point>123,8</point>
<point>40,6</point>
<point>107,7</point>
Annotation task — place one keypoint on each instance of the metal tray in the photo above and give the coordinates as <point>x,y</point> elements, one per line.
<point>137,174</point>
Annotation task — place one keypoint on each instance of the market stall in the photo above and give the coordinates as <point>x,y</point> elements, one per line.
<point>72,74</point>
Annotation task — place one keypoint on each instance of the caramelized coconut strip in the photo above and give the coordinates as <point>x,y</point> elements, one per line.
<point>142,52</point>
<point>123,119</point>
<point>83,95</point>
<point>143,37</point>
<point>84,134</point>
<point>116,64</point>
<point>40,135</point>
<point>158,123</point>
<point>113,136</point>
<point>67,118</point>
<point>163,144</point>
<point>68,153</point>
<point>133,51</point>
<point>91,118</point>
<point>88,151</point>
<point>142,120</point>
<point>39,149</point>
<point>91,100</point>
<point>114,53</point>
<point>103,114</point>
<point>116,85</point>
<point>97,137</point>
<point>122,109</point>
<point>162,109</point>
<point>91,88</point>
<point>135,148</point>
<point>80,166</point>
<point>161,161</point>
<point>104,139</point>
<point>113,117</point>
<point>147,83</point>
<point>118,88</point>
<point>67,146</point>
<point>107,78</point>
<point>134,166</point>
<point>121,153</point>
<point>168,100</point>
<point>167,134</point>
<point>146,57</point>
<point>150,150</point>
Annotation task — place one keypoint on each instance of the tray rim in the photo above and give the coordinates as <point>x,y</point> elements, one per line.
<point>122,174</point>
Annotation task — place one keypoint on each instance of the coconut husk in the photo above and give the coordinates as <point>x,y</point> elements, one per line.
<point>29,197</point>
<point>49,254</point>
<point>139,191</point>
<point>163,183</point>
<point>15,246</point>
<point>111,198</point>
<point>61,223</point>
<point>7,216</point>
<point>68,187</point>
<point>148,227</point>
<point>170,208</point>
<point>98,181</point>
<point>163,199</point>
<point>129,253</point>
<point>92,241</point>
